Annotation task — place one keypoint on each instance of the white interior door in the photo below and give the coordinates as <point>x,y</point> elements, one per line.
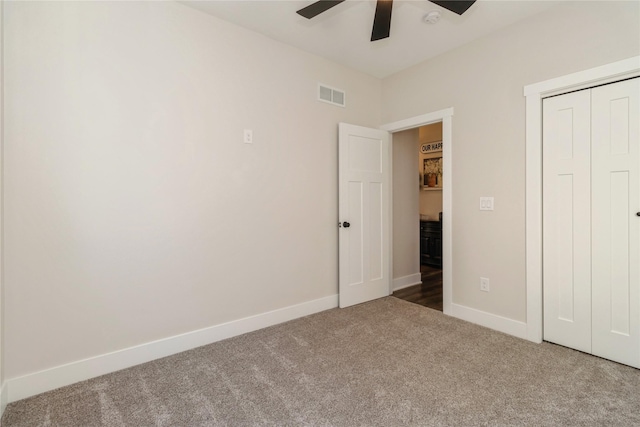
<point>364,214</point>
<point>616,226</point>
<point>566,220</point>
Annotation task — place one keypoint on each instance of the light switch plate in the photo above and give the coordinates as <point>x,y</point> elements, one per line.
<point>486,203</point>
<point>248,136</point>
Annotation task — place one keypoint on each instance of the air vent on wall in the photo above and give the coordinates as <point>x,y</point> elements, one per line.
<point>331,95</point>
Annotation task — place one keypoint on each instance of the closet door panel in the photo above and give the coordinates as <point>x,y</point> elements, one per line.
<point>567,220</point>
<point>616,227</point>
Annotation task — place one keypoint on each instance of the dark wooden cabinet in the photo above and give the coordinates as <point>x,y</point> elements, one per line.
<point>431,243</point>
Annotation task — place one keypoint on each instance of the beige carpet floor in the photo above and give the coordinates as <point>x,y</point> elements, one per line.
<point>383,363</point>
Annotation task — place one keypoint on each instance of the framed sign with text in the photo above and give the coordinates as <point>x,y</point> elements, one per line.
<point>432,147</point>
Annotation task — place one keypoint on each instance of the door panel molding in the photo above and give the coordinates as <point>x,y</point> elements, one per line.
<point>616,231</point>
<point>364,181</point>
<point>566,182</point>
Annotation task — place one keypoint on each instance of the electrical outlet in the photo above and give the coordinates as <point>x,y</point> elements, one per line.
<point>484,284</point>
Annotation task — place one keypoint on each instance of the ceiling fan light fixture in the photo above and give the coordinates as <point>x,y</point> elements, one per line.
<point>432,17</point>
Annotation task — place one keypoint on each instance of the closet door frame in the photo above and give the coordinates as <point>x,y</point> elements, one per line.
<point>534,94</point>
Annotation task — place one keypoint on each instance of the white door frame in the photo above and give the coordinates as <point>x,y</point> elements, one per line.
<point>446,117</point>
<point>534,94</point>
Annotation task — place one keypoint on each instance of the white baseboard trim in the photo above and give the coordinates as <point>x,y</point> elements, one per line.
<point>491,321</point>
<point>3,398</point>
<point>406,281</point>
<point>59,376</point>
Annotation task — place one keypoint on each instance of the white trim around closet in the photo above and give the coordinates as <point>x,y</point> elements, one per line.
<point>534,94</point>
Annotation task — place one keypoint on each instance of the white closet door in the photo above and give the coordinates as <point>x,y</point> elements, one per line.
<point>616,227</point>
<point>567,220</point>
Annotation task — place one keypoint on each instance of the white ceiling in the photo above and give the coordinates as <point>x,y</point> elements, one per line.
<point>342,33</point>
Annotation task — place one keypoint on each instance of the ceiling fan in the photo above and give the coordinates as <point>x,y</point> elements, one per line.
<point>382,18</point>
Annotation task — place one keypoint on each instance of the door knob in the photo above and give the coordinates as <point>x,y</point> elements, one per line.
<point>346,224</point>
<point>637,213</point>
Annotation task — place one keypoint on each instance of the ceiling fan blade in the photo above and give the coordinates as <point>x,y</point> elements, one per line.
<point>382,20</point>
<point>315,9</point>
<point>455,6</point>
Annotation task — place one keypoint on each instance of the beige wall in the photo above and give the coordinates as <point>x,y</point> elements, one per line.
<point>406,216</point>
<point>430,200</point>
<point>130,199</point>
<point>133,210</point>
<point>483,81</point>
<point>430,133</point>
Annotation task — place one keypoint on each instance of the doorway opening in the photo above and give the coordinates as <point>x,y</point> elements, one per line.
<point>407,264</point>
<point>418,213</point>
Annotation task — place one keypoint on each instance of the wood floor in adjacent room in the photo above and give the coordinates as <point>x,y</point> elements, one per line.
<point>429,293</point>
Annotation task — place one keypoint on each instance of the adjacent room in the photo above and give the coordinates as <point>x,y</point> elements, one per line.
<point>213,213</point>
<point>424,144</point>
